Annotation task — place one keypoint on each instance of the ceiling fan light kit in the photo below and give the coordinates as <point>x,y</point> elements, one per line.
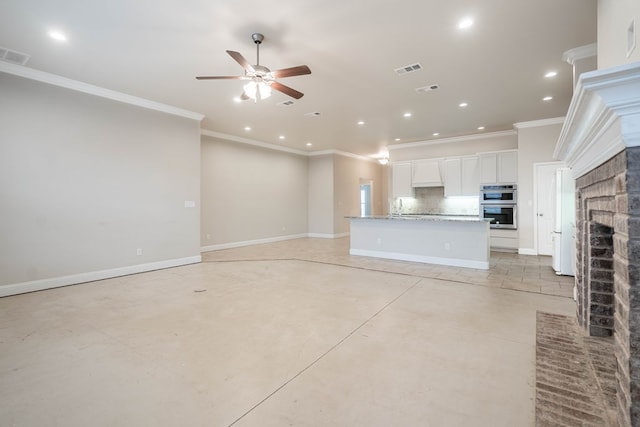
<point>262,79</point>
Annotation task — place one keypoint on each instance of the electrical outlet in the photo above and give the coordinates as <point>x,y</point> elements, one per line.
<point>447,246</point>
<point>139,251</point>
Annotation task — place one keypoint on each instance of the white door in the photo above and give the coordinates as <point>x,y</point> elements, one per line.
<point>545,194</point>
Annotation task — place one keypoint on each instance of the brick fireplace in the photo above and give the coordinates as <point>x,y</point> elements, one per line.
<point>600,141</point>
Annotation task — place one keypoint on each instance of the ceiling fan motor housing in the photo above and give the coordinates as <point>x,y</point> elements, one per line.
<point>257,38</point>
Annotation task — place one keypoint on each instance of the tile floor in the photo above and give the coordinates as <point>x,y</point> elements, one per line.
<point>291,333</point>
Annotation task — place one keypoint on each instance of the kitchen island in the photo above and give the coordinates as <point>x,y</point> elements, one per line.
<point>460,241</point>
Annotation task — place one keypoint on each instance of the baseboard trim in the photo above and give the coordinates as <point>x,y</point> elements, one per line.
<point>57,282</point>
<point>231,245</point>
<point>328,236</point>
<point>452,262</point>
<point>527,251</point>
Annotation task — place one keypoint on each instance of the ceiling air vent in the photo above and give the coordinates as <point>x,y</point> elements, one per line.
<point>287,103</point>
<point>13,56</point>
<point>427,88</point>
<point>408,69</point>
<point>313,114</point>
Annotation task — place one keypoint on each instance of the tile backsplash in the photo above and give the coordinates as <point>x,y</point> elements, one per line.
<point>431,200</point>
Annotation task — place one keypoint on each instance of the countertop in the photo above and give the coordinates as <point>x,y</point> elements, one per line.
<point>424,217</point>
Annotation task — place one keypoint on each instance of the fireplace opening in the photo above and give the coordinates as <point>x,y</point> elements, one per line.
<point>600,274</point>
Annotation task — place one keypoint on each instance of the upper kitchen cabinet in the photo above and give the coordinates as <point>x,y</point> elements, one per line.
<point>470,176</point>
<point>401,180</point>
<point>426,173</point>
<point>461,176</point>
<point>499,167</point>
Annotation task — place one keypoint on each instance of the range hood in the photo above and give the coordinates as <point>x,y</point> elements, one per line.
<point>426,173</point>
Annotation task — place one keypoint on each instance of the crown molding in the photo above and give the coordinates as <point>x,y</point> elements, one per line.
<point>55,80</point>
<point>603,118</point>
<point>248,141</point>
<point>473,137</point>
<point>227,137</point>
<point>343,154</point>
<point>578,53</point>
<point>539,123</point>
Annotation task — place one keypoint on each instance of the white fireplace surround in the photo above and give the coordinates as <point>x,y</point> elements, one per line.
<point>603,118</point>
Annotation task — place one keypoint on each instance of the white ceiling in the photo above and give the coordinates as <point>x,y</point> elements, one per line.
<point>154,50</point>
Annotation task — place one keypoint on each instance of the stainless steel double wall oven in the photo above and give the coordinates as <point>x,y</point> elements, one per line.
<point>498,203</point>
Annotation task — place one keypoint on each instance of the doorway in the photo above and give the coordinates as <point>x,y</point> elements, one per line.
<point>365,198</point>
<point>544,208</point>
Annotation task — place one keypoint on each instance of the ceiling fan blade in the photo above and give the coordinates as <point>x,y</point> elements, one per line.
<point>240,60</point>
<point>221,77</point>
<point>244,96</point>
<point>287,90</point>
<point>290,72</point>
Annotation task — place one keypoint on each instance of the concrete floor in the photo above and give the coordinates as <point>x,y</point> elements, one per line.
<point>291,333</point>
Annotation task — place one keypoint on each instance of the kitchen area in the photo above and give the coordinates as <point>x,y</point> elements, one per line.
<point>450,211</point>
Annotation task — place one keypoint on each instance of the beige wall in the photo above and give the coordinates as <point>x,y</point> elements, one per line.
<point>86,181</point>
<point>349,172</point>
<point>614,17</point>
<point>451,147</point>
<point>320,198</point>
<point>251,193</point>
<point>535,145</point>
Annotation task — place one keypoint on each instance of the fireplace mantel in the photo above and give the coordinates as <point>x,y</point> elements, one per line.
<point>603,118</point>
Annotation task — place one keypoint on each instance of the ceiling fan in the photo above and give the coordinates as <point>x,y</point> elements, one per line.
<point>262,79</point>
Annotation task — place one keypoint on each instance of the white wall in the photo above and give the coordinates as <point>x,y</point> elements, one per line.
<point>86,181</point>
<point>536,143</point>
<point>251,193</point>
<point>614,17</point>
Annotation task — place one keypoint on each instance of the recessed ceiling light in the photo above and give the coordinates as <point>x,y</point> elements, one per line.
<point>436,133</point>
<point>480,127</point>
<point>247,128</point>
<point>309,144</point>
<point>462,104</point>
<point>397,139</point>
<point>407,114</point>
<point>281,137</point>
<point>547,98</point>
<point>465,23</point>
<point>360,123</point>
<point>551,74</point>
<point>57,35</point>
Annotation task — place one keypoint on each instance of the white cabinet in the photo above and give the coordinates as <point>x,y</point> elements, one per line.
<point>452,177</point>
<point>426,173</point>
<point>504,240</point>
<point>461,176</point>
<point>488,168</point>
<point>470,176</point>
<point>500,167</point>
<point>508,166</point>
<point>401,180</point>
